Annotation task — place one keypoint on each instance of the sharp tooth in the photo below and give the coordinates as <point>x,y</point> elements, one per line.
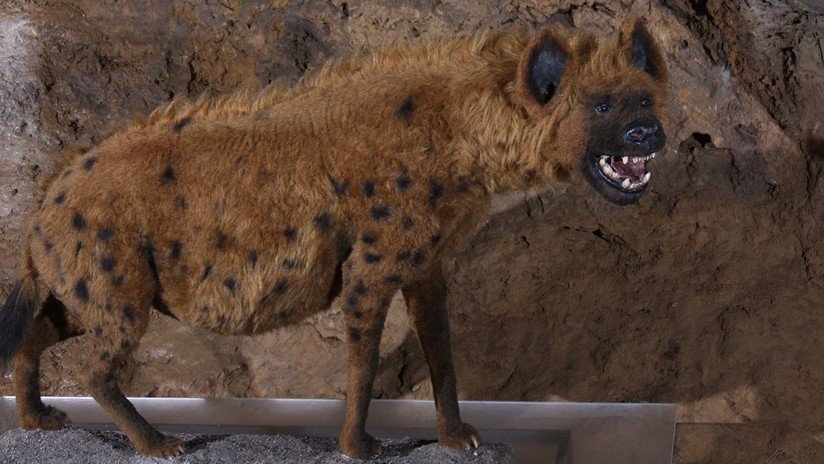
<point>625,159</point>
<point>653,155</point>
<point>626,183</point>
<point>646,177</point>
<point>608,170</point>
<point>602,162</point>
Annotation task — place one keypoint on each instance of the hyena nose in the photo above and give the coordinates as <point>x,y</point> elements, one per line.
<point>641,132</point>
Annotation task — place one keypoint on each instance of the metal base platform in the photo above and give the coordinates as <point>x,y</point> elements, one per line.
<point>557,433</point>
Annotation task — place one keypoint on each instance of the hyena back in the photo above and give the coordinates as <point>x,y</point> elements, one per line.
<point>252,212</point>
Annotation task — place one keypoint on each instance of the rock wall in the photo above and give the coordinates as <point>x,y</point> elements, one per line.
<point>706,293</point>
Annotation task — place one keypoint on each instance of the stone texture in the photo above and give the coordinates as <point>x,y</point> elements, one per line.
<point>706,293</point>
<point>79,446</point>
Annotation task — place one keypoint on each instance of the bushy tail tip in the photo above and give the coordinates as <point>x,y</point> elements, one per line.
<point>15,318</point>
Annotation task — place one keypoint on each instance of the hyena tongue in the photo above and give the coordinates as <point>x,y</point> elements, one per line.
<point>634,170</point>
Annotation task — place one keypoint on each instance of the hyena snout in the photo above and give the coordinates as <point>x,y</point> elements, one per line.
<point>645,135</point>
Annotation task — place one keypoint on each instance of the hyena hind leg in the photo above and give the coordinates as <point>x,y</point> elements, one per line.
<point>110,343</point>
<point>50,326</point>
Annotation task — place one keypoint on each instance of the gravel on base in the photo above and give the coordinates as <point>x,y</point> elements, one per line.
<point>80,446</point>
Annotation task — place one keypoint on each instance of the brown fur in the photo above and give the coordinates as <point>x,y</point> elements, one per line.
<point>246,213</point>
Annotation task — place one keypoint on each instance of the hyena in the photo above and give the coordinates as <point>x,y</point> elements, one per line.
<point>250,212</point>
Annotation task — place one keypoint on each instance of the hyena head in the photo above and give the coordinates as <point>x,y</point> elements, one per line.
<point>601,104</point>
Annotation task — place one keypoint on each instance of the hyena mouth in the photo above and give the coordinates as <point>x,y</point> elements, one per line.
<point>627,173</point>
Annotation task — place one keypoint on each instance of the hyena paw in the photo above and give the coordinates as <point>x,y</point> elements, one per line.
<point>46,418</point>
<point>459,436</point>
<point>163,447</point>
<point>360,445</point>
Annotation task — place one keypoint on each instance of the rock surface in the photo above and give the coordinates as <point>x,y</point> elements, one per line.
<point>706,293</point>
<point>80,446</point>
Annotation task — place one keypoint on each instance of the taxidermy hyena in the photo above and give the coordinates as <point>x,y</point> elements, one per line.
<point>252,212</point>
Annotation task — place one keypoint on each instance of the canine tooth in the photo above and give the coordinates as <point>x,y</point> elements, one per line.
<point>625,159</point>
<point>602,161</point>
<point>646,177</point>
<point>626,183</point>
<point>608,170</point>
<point>653,155</point>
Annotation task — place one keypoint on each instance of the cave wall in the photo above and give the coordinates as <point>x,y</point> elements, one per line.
<point>706,293</point>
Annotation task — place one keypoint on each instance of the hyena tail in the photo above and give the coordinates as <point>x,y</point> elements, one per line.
<point>18,312</point>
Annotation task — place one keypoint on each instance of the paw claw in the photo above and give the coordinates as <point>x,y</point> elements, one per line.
<point>46,418</point>
<point>166,447</point>
<point>461,436</point>
<point>360,446</point>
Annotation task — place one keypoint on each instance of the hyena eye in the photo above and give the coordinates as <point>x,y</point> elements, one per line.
<point>603,108</point>
<point>646,103</point>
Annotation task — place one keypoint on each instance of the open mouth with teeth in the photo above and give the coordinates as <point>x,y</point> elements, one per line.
<point>625,173</point>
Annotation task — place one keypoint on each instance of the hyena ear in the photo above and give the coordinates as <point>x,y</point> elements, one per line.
<point>642,50</point>
<point>541,68</point>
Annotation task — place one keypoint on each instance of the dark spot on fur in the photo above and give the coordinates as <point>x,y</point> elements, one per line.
<point>174,252</point>
<point>394,278</point>
<point>180,202</point>
<point>204,309</point>
<point>98,331</point>
<point>124,344</point>
<point>67,173</point>
<point>369,239</point>
<point>291,234</point>
<point>403,256</point>
<point>104,235</point>
<point>78,221</point>
<point>37,230</point>
<point>118,281</point>
<point>417,259</point>
<point>323,222</point>
<point>220,240</point>
<point>380,212</point>
<point>403,182</point>
<point>253,257</point>
<point>89,163</point>
<point>81,290</point>
<point>108,263</point>
<point>181,124</point>
<point>104,356</point>
<point>372,258</point>
<point>407,223</point>
<point>128,313</point>
<point>352,300</point>
<point>122,329</point>
<point>281,286</point>
<point>206,271</point>
<point>360,288</point>
<point>435,192</point>
<point>368,189</point>
<point>340,187</point>
<point>77,248</point>
<point>221,320</point>
<point>230,284</point>
<point>435,239</point>
<point>48,245</point>
<point>59,199</point>
<point>290,263</point>
<point>406,110</point>
<point>168,177</point>
<point>357,314</point>
<point>354,334</point>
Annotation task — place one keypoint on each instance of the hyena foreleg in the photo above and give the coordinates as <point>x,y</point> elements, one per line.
<point>426,303</point>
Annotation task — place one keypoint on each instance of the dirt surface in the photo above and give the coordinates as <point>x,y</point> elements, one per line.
<point>80,446</point>
<point>707,293</point>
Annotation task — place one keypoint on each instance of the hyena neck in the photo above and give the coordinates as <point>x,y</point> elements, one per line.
<point>497,143</point>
